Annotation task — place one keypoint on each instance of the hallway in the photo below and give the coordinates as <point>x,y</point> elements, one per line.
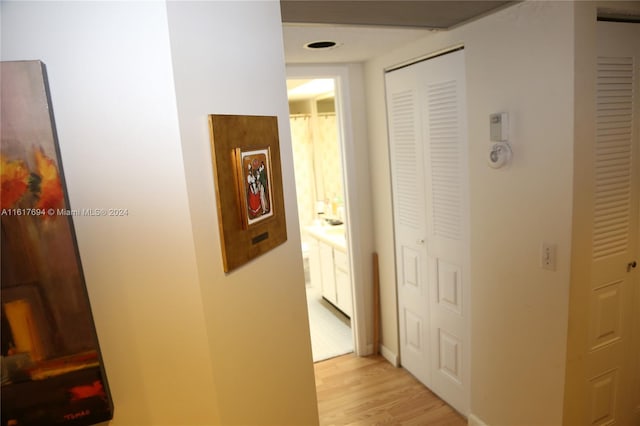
<point>369,390</point>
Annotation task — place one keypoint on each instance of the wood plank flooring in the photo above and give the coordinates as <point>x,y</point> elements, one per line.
<point>370,391</point>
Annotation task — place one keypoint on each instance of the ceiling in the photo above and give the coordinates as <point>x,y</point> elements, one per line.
<point>364,29</point>
<point>399,13</point>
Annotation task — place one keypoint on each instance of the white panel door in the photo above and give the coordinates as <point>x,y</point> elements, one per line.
<point>432,254</point>
<point>446,165</point>
<point>405,135</point>
<point>613,356</point>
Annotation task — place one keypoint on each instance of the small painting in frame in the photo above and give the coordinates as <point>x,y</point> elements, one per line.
<point>254,170</point>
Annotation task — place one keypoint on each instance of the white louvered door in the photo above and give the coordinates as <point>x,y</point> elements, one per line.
<point>613,358</point>
<point>432,254</point>
<point>446,165</point>
<point>405,133</point>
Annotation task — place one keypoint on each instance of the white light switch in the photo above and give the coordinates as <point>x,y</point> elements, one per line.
<point>548,256</point>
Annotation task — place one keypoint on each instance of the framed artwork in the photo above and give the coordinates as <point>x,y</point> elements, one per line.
<point>254,170</point>
<point>248,180</point>
<point>52,369</point>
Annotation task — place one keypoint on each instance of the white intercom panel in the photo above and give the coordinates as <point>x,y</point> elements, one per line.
<point>500,151</point>
<point>499,127</point>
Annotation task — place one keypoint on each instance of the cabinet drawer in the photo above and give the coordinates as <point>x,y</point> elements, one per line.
<point>341,260</point>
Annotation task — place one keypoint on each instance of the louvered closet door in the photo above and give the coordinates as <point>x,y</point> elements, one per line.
<point>446,166</point>
<point>432,260</point>
<point>613,356</point>
<point>408,186</point>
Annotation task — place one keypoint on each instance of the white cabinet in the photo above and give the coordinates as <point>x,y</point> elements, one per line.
<point>327,273</point>
<point>331,268</point>
<point>314,261</point>
<point>343,282</point>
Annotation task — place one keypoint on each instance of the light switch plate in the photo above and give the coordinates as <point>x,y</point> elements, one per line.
<point>548,254</point>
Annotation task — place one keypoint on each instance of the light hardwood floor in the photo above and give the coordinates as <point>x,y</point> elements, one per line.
<point>370,391</point>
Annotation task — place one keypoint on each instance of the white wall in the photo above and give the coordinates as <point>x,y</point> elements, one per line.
<point>228,59</point>
<point>519,60</point>
<point>183,344</point>
<point>111,83</point>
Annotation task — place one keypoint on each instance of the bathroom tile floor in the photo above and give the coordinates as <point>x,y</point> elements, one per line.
<point>330,329</point>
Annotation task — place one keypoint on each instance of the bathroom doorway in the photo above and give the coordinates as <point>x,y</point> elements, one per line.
<point>317,152</point>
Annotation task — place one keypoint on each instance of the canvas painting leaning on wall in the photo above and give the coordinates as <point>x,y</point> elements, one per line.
<point>52,371</point>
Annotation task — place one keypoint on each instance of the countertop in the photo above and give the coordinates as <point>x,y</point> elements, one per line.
<point>332,235</point>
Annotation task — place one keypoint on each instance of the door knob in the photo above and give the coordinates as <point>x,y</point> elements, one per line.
<point>631,265</point>
<point>420,241</point>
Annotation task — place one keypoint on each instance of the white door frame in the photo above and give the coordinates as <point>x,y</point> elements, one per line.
<point>349,172</point>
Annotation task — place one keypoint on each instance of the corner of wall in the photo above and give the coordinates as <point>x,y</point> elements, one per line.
<point>474,420</point>
<point>390,356</point>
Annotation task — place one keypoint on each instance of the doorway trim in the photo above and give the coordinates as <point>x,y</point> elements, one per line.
<point>356,229</point>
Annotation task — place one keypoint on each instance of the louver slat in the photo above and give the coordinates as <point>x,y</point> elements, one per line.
<point>444,146</point>
<point>612,194</point>
<point>405,158</point>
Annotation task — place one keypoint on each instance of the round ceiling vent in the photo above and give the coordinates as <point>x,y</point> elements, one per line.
<point>321,45</point>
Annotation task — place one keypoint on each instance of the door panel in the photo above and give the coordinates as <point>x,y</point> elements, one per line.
<point>428,149</point>
<point>606,317</point>
<point>449,286</point>
<point>450,356</point>
<point>612,355</point>
<point>408,208</point>
<point>603,398</point>
<point>446,166</point>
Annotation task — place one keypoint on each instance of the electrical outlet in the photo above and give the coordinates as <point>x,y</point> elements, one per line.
<point>548,256</point>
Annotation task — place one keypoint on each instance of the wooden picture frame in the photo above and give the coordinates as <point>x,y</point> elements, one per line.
<point>248,181</point>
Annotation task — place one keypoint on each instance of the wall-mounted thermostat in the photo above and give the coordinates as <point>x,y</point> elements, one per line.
<point>499,127</point>
<point>499,155</point>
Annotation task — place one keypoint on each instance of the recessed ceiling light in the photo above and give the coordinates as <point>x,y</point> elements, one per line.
<point>321,45</point>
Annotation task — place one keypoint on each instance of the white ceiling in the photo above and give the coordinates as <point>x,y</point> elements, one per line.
<point>355,43</point>
<point>364,28</point>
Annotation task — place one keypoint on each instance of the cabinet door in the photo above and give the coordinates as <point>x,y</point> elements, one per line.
<point>343,291</point>
<point>327,272</point>
<point>343,282</point>
<point>315,274</point>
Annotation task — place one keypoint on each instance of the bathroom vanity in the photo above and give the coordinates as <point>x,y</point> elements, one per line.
<point>329,265</point>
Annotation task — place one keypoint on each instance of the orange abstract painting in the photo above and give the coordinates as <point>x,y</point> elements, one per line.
<point>52,370</point>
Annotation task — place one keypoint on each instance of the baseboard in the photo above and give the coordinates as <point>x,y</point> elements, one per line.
<point>369,348</point>
<point>474,420</point>
<point>389,356</point>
